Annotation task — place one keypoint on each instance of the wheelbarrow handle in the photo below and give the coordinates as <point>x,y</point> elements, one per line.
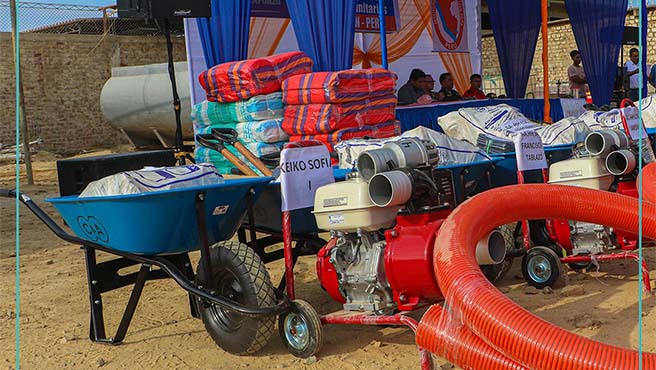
<point>7,193</point>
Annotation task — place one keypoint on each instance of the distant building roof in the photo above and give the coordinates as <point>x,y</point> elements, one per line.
<point>96,26</point>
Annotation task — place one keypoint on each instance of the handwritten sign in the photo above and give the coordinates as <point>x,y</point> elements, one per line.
<point>302,172</point>
<point>633,123</point>
<point>530,152</point>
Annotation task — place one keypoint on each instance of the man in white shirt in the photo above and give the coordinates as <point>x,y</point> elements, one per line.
<point>576,75</point>
<point>633,68</point>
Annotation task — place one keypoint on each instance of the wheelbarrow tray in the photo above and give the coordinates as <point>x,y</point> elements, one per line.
<point>268,216</point>
<point>505,171</point>
<point>468,176</point>
<point>162,222</point>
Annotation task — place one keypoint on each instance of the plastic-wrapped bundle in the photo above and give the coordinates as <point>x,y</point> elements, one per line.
<point>153,179</point>
<point>267,131</point>
<point>257,108</point>
<point>234,81</point>
<point>450,151</point>
<point>338,87</point>
<point>380,131</point>
<point>325,118</point>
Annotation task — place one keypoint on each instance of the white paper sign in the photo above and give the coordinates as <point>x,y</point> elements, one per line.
<point>302,171</point>
<point>633,123</point>
<point>530,152</point>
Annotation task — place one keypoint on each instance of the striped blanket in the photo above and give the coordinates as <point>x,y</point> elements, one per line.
<point>338,87</point>
<point>313,119</point>
<point>380,131</point>
<point>257,108</point>
<point>234,81</point>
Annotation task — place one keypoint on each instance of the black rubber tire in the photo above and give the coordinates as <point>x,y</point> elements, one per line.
<point>311,344</point>
<point>238,274</point>
<point>494,273</point>
<point>542,261</point>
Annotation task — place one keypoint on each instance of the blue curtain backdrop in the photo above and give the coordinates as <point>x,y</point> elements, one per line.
<point>325,30</point>
<point>598,26</point>
<point>224,36</point>
<point>515,25</point>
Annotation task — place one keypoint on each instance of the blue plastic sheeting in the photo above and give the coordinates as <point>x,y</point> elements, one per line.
<point>325,30</point>
<point>516,25</point>
<point>224,36</point>
<point>412,117</point>
<point>598,26</point>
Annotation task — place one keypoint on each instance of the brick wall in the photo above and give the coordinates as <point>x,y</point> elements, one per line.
<point>62,78</point>
<point>561,42</point>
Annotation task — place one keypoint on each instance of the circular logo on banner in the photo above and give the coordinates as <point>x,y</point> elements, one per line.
<point>449,22</point>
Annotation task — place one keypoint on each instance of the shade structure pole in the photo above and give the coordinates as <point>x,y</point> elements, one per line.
<point>383,33</point>
<point>545,61</point>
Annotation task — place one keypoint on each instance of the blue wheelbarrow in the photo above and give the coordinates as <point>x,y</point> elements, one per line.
<point>230,290</point>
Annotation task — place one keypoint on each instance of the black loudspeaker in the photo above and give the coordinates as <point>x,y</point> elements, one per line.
<point>630,36</point>
<point>160,9</point>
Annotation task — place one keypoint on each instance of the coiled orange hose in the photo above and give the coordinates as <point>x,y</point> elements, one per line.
<point>499,322</point>
<point>649,183</point>
<point>459,344</point>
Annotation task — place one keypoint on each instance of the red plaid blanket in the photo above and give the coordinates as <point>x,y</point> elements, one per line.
<point>234,81</point>
<point>380,131</point>
<point>338,87</point>
<point>313,119</point>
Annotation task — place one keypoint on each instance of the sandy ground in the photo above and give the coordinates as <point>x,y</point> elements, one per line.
<point>54,310</point>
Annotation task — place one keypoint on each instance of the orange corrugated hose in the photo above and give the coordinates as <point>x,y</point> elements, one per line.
<point>516,333</point>
<point>649,183</point>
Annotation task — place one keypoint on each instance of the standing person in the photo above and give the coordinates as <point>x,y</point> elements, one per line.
<point>413,89</point>
<point>446,80</point>
<point>632,69</point>
<point>475,89</point>
<point>576,75</point>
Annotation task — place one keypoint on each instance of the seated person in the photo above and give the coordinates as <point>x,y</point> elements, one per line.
<point>413,89</point>
<point>475,88</point>
<point>429,86</point>
<point>446,80</point>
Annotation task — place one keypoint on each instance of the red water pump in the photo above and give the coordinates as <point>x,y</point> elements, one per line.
<point>383,221</point>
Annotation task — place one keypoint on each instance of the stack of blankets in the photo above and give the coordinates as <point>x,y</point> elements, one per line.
<point>337,106</point>
<point>245,96</point>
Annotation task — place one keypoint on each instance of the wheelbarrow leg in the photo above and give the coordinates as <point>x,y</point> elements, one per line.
<point>132,304</point>
<point>96,322</point>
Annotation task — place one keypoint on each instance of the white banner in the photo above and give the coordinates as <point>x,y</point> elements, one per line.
<point>529,151</point>
<point>449,22</point>
<point>302,171</point>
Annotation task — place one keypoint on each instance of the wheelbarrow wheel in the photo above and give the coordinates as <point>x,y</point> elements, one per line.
<point>300,329</point>
<point>237,274</point>
<point>495,273</point>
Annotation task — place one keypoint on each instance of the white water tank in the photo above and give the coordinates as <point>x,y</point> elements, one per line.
<point>139,102</point>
